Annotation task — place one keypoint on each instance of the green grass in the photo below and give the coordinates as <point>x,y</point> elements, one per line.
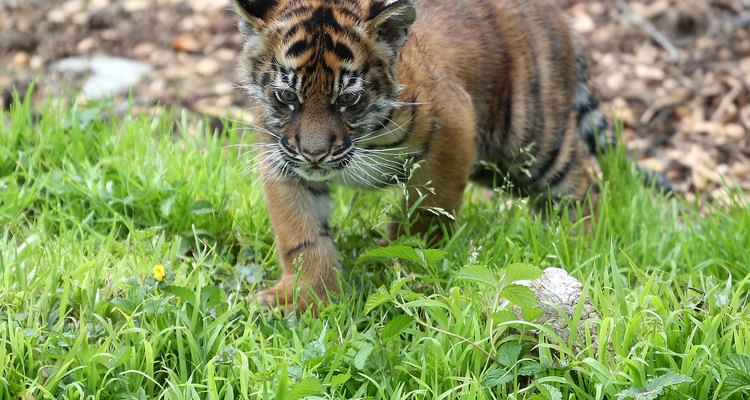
<point>88,207</point>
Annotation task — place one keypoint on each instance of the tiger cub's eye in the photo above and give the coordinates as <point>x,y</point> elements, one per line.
<point>347,99</point>
<point>286,96</point>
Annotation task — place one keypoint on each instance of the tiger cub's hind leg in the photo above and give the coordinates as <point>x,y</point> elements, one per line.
<point>571,180</point>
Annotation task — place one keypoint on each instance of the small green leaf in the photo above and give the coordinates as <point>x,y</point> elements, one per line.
<point>376,299</point>
<point>156,305</point>
<point>429,256</point>
<point>398,284</point>
<point>508,354</point>
<point>739,363</point>
<point>313,351</point>
<point>211,296</point>
<point>531,313</point>
<point>281,391</point>
<point>553,393</point>
<point>251,273</point>
<point>400,252</point>
<point>187,295</point>
<point>519,295</point>
<point>306,387</point>
<point>668,379</point>
<point>478,273</point>
<point>503,316</point>
<point>124,304</point>
<point>201,207</point>
<point>521,271</point>
<point>530,368</point>
<point>362,355</point>
<point>425,303</point>
<point>738,380</point>
<point>497,377</point>
<point>340,379</point>
<point>654,387</point>
<point>396,327</point>
<point>166,206</point>
<point>226,355</point>
<point>734,384</point>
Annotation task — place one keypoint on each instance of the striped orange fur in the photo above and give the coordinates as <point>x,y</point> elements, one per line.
<point>347,86</point>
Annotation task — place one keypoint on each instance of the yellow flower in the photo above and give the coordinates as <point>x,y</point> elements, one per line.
<point>159,272</point>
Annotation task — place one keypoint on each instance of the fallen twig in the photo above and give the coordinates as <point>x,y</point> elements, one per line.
<point>651,30</point>
<point>726,101</point>
<point>742,20</point>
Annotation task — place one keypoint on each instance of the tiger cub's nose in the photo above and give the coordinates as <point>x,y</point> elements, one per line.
<point>314,155</point>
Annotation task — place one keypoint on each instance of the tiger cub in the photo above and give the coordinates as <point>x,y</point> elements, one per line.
<point>349,86</point>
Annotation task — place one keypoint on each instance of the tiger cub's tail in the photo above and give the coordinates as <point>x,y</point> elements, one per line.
<point>593,126</point>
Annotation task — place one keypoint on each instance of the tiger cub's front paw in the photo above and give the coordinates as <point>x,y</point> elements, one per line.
<point>297,296</point>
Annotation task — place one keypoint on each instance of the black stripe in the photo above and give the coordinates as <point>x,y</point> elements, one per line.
<point>318,190</point>
<point>370,109</point>
<point>291,32</point>
<point>398,142</point>
<point>343,52</point>
<point>325,230</point>
<point>507,109</point>
<point>582,110</point>
<point>407,132</point>
<point>294,11</point>
<point>322,16</point>
<point>344,162</point>
<point>284,142</point>
<point>375,84</point>
<point>346,146</point>
<point>563,172</point>
<point>265,79</point>
<point>299,247</point>
<point>310,70</point>
<point>346,11</point>
<point>365,68</point>
<point>536,130</point>
<point>297,48</point>
<point>549,160</point>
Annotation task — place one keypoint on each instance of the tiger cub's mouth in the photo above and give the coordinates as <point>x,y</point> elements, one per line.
<point>316,173</point>
<point>325,169</point>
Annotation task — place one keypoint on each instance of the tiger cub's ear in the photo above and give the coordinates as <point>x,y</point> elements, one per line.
<point>253,11</point>
<point>390,21</point>
<point>253,14</point>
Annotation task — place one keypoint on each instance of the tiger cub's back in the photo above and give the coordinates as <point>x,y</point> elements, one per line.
<point>518,62</point>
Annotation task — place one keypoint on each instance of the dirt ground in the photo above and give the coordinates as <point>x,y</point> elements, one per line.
<point>676,72</point>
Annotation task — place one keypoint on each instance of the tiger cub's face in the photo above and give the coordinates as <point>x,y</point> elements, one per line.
<point>323,73</point>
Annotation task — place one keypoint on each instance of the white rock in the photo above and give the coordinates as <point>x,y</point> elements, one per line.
<point>207,67</point>
<point>207,5</point>
<point>71,7</point>
<point>110,76</point>
<point>556,291</point>
<point>136,5</point>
